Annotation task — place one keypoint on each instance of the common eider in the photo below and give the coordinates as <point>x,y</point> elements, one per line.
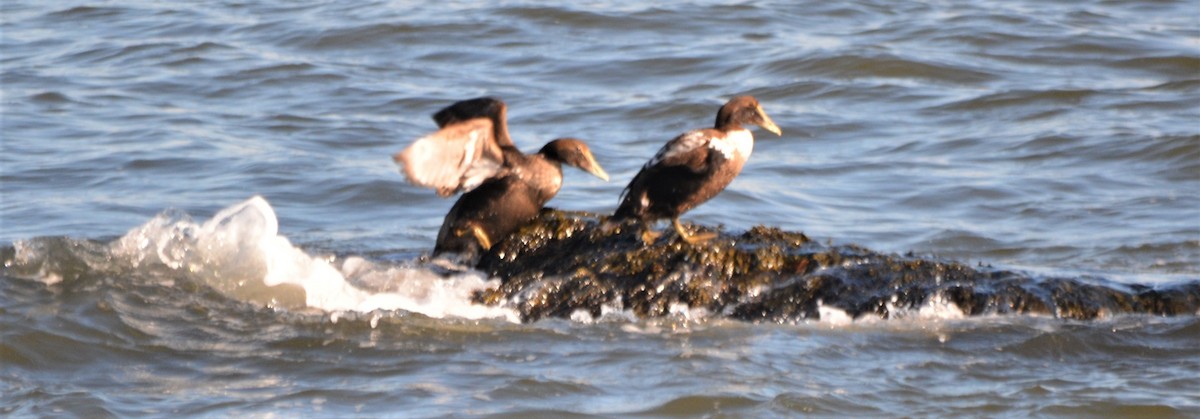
<point>473,153</point>
<point>693,168</point>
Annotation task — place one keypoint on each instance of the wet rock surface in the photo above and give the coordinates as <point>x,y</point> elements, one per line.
<point>563,263</point>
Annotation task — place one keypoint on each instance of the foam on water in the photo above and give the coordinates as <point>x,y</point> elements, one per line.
<point>241,253</point>
<point>937,309</point>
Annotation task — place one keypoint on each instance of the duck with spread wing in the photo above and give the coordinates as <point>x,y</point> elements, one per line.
<point>503,188</point>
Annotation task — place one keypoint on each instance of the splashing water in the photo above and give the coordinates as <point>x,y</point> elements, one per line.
<point>240,253</point>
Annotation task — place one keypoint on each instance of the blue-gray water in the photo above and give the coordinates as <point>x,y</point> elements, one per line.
<point>1060,138</point>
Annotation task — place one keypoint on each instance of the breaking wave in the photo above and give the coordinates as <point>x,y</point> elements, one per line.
<point>240,253</point>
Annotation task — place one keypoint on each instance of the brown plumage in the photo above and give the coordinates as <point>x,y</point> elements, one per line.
<point>504,188</point>
<point>692,168</point>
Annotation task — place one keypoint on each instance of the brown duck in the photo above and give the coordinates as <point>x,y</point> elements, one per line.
<point>504,188</point>
<point>692,168</point>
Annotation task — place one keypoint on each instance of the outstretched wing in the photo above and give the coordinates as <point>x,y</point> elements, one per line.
<point>458,157</point>
<point>481,107</point>
<point>464,110</point>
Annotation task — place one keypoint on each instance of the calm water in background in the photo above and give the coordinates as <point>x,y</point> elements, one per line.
<point>1059,138</point>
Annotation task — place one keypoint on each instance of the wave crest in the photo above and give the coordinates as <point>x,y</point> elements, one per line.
<point>240,253</point>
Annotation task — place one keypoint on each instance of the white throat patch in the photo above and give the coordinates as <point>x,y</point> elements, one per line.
<point>735,143</point>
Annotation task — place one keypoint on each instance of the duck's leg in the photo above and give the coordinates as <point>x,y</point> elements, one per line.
<point>649,235</point>
<point>691,238</point>
<point>482,236</point>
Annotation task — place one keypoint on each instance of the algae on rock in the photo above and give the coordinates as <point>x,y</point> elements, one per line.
<point>562,262</point>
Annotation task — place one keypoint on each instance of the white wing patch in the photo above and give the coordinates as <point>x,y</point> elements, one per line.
<point>478,170</point>
<point>474,170</point>
<point>735,143</point>
<point>422,169</point>
<point>453,159</point>
<point>685,144</point>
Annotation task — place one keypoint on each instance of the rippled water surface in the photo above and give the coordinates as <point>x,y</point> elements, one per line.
<point>1059,138</point>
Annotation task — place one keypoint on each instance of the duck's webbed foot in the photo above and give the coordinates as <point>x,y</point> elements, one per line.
<point>649,236</point>
<point>690,238</point>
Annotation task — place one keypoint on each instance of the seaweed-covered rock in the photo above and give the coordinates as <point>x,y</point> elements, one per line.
<point>562,262</point>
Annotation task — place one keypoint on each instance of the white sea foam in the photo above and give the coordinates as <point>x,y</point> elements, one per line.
<point>937,308</point>
<point>240,253</point>
<point>833,316</point>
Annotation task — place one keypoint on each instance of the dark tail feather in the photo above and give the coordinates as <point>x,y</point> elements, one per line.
<point>624,212</point>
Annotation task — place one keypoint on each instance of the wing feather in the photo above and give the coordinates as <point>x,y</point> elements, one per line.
<point>459,157</point>
<point>688,150</point>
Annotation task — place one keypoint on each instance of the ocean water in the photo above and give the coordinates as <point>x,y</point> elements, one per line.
<point>199,214</point>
